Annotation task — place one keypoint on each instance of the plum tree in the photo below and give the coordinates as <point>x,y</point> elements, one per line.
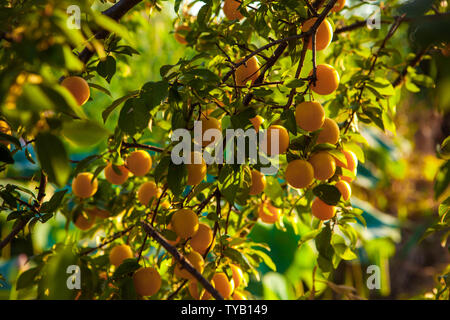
<point>112,172</point>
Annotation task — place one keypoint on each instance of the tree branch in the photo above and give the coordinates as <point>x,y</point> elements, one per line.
<point>390,33</point>
<point>128,145</point>
<point>115,12</point>
<point>283,45</point>
<point>181,260</point>
<point>36,208</point>
<point>414,62</point>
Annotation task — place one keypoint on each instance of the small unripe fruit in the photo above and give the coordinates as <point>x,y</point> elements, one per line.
<point>83,186</point>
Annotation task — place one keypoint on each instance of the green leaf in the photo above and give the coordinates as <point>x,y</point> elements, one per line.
<point>84,133</point>
<point>53,204</point>
<point>176,178</point>
<point>110,24</point>
<point>154,93</point>
<point>442,180</point>
<point>295,83</point>
<point>127,266</point>
<point>116,103</point>
<point>27,278</point>
<point>107,68</point>
<point>341,249</point>
<point>266,258</point>
<point>326,251</point>
<point>289,121</point>
<point>444,149</point>
<point>53,158</point>
<point>6,137</point>
<point>328,194</point>
<point>237,257</point>
<point>5,154</point>
<point>99,88</point>
<point>134,116</point>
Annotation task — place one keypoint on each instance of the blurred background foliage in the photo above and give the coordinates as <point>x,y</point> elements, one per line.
<point>395,187</point>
